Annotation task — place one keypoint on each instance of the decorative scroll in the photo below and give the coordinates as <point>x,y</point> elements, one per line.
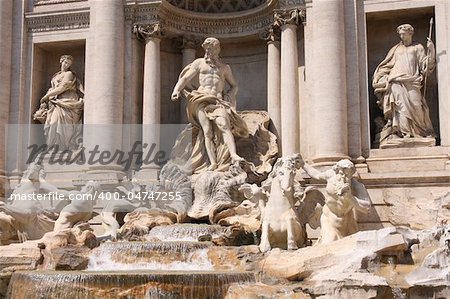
<point>187,42</point>
<point>144,32</point>
<point>293,16</point>
<point>271,33</point>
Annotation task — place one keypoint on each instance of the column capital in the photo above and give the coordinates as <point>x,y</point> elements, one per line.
<point>145,32</point>
<point>270,33</point>
<point>187,42</point>
<point>293,16</point>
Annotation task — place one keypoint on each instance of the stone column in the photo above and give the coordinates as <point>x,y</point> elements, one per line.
<point>105,88</point>
<point>151,110</point>
<point>329,88</point>
<point>272,36</point>
<point>6,12</point>
<point>188,52</point>
<point>288,20</point>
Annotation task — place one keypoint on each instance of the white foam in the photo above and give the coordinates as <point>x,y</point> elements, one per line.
<point>196,261</point>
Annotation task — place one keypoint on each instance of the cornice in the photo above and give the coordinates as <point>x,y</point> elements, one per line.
<point>57,21</point>
<point>174,20</point>
<point>142,13</point>
<point>48,2</point>
<point>292,3</point>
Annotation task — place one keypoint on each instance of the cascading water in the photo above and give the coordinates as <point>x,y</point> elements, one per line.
<point>161,269</point>
<point>174,255</point>
<point>184,232</point>
<point>123,284</point>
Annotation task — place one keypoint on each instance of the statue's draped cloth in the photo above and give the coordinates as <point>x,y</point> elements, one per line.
<point>398,81</point>
<point>63,124</point>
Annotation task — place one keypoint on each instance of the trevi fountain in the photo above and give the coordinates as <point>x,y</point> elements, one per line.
<point>225,149</point>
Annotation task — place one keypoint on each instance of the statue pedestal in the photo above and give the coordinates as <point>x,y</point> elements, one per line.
<point>397,142</point>
<point>148,175</point>
<point>61,175</point>
<point>403,160</point>
<point>108,179</point>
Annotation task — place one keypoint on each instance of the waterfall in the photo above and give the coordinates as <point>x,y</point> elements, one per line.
<point>123,284</point>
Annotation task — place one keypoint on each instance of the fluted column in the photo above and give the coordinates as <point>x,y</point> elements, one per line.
<point>151,117</point>
<point>6,12</point>
<point>272,36</point>
<point>329,89</point>
<point>105,81</point>
<point>288,20</point>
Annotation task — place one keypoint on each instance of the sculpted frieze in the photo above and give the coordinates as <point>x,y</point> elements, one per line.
<point>218,27</point>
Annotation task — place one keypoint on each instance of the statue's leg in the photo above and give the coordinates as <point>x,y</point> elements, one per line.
<point>264,246</point>
<point>291,242</point>
<point>326,230</point>
<point>351,224</point>
<point>330,226</point>
<point>110,224</point>
<point>208,133</point>
<point>108,217</point>
<point>223,123</point>
<point>62,222</point>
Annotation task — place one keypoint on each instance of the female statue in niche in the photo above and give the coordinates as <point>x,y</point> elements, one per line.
<point>398,82</point>
<point>61,108</point>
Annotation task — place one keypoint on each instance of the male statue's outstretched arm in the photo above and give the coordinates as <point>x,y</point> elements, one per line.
<point>362,201</point>
<point>311,171</point>
<point>185,79</point>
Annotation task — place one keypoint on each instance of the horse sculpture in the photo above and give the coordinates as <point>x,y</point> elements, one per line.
<point>288,209</point>
<point>21,220</point>
<point>80,209</point>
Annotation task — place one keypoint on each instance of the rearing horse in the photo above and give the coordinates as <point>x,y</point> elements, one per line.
<point>288,207</point>
<point>281,226</point>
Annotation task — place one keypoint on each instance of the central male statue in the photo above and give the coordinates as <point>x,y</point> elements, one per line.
<point>211,109</point>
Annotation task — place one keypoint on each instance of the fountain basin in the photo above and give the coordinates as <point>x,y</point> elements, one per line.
<point>123,284</point>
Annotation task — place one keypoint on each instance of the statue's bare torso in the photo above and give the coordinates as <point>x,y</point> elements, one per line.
<point>211,78</point>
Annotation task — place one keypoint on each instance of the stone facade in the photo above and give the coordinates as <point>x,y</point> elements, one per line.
<point>308,63</point>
